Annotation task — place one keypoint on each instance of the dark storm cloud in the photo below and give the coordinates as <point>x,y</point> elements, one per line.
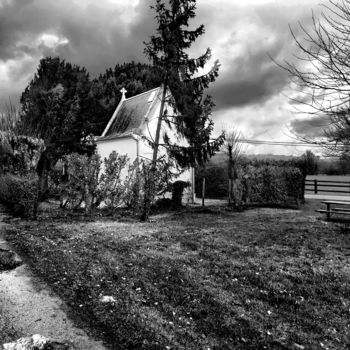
<point>250,75</point>
<point>312,126</point>
<point>251,84</point>
<point>102,40</point>
<point>96,35</point>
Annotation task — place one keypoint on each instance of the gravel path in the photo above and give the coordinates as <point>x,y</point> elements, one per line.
<point>32,308</point>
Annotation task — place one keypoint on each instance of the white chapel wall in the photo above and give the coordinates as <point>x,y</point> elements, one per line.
<point>123,146</point>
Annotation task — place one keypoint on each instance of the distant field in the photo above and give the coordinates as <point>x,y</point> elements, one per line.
<point>329,188</point>
<point>329,177</point>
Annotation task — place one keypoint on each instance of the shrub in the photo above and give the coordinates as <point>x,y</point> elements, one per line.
<point>155,185</point>
<point>111,186</point>
<point>19,154</point>
<point>18,194</point>
<point>177,192</point>
<point>133,185</point>
<point>272,185</point>
<point>295,183</point>
<point>82,183</point>
<point>119,184</point>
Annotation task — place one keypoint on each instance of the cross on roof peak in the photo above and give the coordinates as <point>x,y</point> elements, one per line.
<point>123,91</point>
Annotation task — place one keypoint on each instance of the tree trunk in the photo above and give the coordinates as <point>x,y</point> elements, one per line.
<point>43,168</point>
<point>87,199</point>
<point>302,194</point>
<point>229,192</point>
<point>230,175</point>
<point>193,180</point>
<point>149,183</point>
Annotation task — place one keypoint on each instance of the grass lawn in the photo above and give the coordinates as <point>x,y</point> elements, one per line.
<point>213,279</point>
<point>7,332</point>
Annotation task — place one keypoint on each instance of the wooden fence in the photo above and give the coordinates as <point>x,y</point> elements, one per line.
<point>317,186</point>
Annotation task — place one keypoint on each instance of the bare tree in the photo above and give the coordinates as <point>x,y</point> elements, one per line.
<point>322,72</point>
<point>8,117</point>
<point>8,121</point>
<point>234,149</point>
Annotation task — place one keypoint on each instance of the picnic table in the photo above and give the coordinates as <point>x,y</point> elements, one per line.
<point>344,209</point>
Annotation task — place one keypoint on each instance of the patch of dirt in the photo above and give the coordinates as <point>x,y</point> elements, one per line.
<point>31,307</point>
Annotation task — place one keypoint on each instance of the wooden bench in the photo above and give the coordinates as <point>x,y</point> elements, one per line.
<point>330,210</point>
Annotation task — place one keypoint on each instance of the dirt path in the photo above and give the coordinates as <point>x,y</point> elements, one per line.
<point>32,308</point>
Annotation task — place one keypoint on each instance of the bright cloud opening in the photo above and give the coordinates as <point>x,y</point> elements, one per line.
<point>51,40</point>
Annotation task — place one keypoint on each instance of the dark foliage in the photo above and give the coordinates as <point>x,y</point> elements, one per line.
<point>310,162</point>
<point>136,78</point>
<point>167,50</point>
<point>18,194</point>
<point>177,192</point>
<point>18,154</point>
<point>57,108</point>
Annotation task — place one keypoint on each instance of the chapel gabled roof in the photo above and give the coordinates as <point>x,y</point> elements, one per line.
<point>131,114</point>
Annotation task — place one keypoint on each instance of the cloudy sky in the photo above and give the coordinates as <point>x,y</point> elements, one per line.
<point>251,92</point>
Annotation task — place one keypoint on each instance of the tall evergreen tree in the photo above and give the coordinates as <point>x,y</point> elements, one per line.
<point>179,73</point>
<point>57,107</point>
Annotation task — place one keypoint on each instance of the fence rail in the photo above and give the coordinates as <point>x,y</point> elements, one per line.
<point>316,186</point>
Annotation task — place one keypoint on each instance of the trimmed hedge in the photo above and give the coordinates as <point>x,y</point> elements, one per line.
<point>259,182</point>
<point>18,194</point>
<point>119,184</point>
<point>271,185</point>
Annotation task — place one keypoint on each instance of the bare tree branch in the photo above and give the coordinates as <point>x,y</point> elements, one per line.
<point>322,73</point>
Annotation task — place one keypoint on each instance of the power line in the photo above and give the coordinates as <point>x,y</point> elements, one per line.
<point>280,143</point>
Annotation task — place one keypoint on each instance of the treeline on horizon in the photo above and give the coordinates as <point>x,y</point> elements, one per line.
<point>320,166</point>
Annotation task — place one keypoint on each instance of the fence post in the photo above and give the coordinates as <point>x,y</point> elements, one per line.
<point>315,185</point>
<point>203,190</point>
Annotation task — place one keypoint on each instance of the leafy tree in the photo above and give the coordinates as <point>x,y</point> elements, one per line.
<point>344,164</point>
<point>311,163</point>
<point>57,108</point>
<point>167,52</point>
<point>324,76</point>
